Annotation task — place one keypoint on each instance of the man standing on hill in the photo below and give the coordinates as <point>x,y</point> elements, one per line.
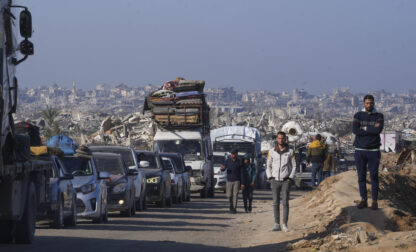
<point>316,156</point>
<point>280,170</point>
<point>367,126</point>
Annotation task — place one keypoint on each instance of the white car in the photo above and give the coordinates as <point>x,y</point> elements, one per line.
<point>220,177</point>
<point>176,179</point>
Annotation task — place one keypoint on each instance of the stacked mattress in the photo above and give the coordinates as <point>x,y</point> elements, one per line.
<point>179,103</point>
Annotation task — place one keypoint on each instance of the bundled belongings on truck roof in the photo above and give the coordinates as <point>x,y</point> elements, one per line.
<point>29,129</point>
<point>65,143</point>
<point>179,103</point>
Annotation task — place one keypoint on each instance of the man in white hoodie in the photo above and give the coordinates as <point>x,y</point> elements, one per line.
<point>281,169</point>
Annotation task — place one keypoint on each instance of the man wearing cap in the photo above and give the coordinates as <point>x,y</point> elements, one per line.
<point>234,167</point>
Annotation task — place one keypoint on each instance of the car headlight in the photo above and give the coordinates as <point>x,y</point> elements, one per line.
<point>88,188</point>
<point>120,188</point>
<point>154,180</point>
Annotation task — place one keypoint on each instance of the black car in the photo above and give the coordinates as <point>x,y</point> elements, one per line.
<point>120,185</point>
<point>158,188</point>
<point>184,171</point>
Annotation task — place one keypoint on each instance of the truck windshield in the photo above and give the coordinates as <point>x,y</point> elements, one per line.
<point>190,149</point>
<point>218,160</point>
<point>242,147</point>
<point>78,166</point>
<point>111,165</point>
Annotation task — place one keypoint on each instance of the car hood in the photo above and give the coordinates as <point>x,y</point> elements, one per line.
<point>152,172</point>
<point>79,181</point>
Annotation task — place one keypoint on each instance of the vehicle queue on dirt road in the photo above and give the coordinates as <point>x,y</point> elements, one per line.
<point>96,180</point>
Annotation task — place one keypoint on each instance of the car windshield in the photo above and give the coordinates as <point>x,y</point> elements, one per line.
<point>78,166</point>
<point>218,160</point>
<point>112,165</point>
<point>245,147</point>
<point>149,157</point>
<point>190,149</point>
<point>126,155</point>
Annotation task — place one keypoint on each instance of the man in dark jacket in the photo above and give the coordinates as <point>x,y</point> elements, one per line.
<point>247,180</point>
<point>234,167</point>
<point>367,126</point>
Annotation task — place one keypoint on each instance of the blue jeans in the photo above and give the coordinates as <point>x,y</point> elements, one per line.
<point>317,170</point>
<point>326,174</point>
<point>370,160</point>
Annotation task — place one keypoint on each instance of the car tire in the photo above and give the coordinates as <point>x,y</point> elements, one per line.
<point>6,229</point>
<point>72,220</point>
<point>139,204</point>
<point>169,201</point>
<point>99,219</point>
<point>58,221</point>
<point>204,193</point>
<point>133,206</point>
<point>25,228</point>
<point>162,202</point>
<point>144,202</point>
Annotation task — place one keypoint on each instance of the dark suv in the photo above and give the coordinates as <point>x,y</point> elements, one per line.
<point>120,186</point>
<point>158,188</point>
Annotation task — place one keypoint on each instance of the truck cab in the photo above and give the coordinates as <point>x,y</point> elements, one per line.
<point>196,150</point>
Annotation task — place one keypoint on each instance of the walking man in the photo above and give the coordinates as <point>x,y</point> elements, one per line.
<point>367,126</point>
<point>280,170</point>
<point>316,156</point>
<point>234,167</point>
<point>247,181</point>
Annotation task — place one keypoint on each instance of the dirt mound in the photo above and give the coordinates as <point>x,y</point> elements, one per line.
<point>334,222</point>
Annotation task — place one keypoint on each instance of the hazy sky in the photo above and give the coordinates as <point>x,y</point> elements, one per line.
<point>275,45</point>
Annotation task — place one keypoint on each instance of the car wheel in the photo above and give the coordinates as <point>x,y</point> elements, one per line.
<point>72,220</point>
<point>6,229</point>
<point>204,192</point>
<point>143,198</point>
<point>105,216</point>
<point>99,219</point>
<point>25,228</point>
<point>133,206</point>
<point>58,221</point>
<point>139,204</point>
<point>169,200</point>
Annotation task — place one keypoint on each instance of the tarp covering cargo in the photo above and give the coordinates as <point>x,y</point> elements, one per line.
<point>65,143</point>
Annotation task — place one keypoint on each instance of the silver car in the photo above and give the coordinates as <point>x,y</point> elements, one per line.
<point>220,177</point>
<point>90,186</point>
<point>176,178</point>
<point>130,159</point>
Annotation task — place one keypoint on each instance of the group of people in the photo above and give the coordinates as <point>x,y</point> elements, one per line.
<point>281,165</point>
<point>322,159</point>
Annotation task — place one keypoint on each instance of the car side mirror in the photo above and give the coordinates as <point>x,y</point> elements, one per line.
<point>67,176</point>
<point>104,175</point>
<point>132,172</point>
<point>188,168</point>
<point>144,164</point>
<point>25,23</point>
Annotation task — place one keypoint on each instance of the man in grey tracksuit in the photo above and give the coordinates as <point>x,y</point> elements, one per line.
<point>281,169</point>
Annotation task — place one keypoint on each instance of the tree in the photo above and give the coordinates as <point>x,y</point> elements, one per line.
<point>50,114</point>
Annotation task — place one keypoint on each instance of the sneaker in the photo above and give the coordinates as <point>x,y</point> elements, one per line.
<point>362,204</point>
<point>285,228</point>
<point>276,227</point>
<point>374,205</point>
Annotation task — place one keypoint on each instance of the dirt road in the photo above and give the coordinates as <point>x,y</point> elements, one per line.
<point>199,225</point>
